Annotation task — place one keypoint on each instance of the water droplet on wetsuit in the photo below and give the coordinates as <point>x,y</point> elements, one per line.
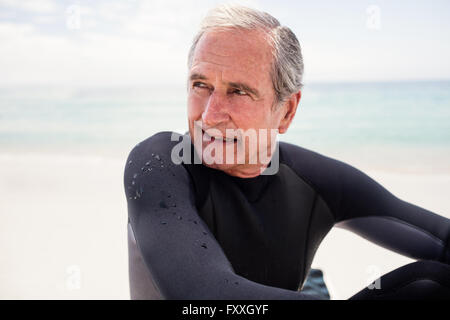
<point>157,157</point>
<point>130,162</point>
<point>132,183</point>
<point>163,222</point>
<point>135,175</point>
<point>174,205</point>
<point>163,205</point>
<point>147,163</point>
<point>204,246</point>
<point>204,233</point>
<point>180,217</point>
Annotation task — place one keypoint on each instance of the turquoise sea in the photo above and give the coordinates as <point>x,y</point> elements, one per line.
<point>373,122</point>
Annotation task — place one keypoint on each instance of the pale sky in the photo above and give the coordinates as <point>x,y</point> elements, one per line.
<point>127,43</point>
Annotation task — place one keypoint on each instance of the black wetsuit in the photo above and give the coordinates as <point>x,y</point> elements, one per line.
<point>198,233</point>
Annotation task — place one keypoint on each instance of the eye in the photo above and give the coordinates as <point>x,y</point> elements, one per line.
<point>199,85</point>
<point>240,92</point>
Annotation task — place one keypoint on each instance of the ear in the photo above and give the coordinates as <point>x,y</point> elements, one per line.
<point>289,110</point>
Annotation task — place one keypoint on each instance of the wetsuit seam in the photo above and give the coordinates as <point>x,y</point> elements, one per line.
<point>305,251</point>
<point>148,269</point>
<point>434,237</point>
<point>315,188</point>
<point>196,188</point>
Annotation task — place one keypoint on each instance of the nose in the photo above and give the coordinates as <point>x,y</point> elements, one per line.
<point>216,111</point>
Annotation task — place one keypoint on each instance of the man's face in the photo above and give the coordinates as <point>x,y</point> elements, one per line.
<point>230,88</point>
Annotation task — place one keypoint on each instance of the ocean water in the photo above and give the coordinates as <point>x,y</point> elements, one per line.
<point>377,123</point>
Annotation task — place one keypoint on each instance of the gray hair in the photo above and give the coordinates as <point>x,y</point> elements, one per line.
<point>287,66</point>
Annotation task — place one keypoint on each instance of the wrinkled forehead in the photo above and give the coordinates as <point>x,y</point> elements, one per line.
<point>241,51</point>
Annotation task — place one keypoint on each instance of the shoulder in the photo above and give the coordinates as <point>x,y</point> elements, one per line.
<point>320,170</point>
<point>160,144</point>
<point>154,158</point>
<point>301,160</point>
<point>332,179</point>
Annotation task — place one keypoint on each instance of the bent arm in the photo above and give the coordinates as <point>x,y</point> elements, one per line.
<point>374,213</point>
<point>179,252</point>
<point>366,208</point>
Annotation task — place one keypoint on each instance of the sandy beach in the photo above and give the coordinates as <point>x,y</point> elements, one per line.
<point>63,230</point>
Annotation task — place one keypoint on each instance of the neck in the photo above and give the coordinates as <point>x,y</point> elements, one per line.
<point>249,171</point>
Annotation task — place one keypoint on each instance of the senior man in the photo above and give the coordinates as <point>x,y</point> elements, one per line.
<point>214,215</point>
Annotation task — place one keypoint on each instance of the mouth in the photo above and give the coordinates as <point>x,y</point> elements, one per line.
<point>207,137</point>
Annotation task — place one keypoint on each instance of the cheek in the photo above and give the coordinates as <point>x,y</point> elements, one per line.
<point>251,116</point>
<point>195,106</point>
